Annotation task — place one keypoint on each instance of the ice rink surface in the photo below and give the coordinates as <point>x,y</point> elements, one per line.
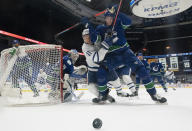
<point>138,114</point>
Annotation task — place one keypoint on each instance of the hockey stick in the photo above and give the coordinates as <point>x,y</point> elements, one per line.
<point>117,14</point>
<point>77,24</point>
<point>71,91</point>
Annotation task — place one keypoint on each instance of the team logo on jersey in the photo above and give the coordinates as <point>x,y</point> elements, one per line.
<point>110,33</point>
<point>155,68</point>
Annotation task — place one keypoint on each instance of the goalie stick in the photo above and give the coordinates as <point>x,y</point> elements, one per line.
<point>72,92</point>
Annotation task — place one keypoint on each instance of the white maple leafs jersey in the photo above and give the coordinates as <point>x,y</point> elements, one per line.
<point>41,78</point>
<point>93,55</point>
<point>169,75</point>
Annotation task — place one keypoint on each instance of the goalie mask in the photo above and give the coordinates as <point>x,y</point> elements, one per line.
<point>74,55</point>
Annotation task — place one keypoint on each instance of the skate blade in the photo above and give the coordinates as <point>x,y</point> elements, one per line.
<point>111,101</point>
<point>100,103</point>
<point>134,98</point>
<point>158,103</point>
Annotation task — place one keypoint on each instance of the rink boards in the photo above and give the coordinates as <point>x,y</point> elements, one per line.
<point>46,88</point>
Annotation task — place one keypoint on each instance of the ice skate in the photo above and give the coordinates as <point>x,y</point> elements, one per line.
<point>101,99</point>
<point>36,94</point>
<point>158,98</point>
<point>134,92</point>
<point>110,99</point>
<point>165,89</point>
<point>122,94</point>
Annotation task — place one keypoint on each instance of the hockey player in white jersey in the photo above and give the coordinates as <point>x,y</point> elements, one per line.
<point>41,80</point>
<point>95,54</point>
<point>42,76</point>
<point>170,78</point>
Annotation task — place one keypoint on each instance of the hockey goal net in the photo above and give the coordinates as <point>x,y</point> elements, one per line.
<point>31,74</point>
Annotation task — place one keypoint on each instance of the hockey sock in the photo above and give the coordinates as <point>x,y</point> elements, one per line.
<point>118,88</point>
<point>103,89</point>
<point>131,86</point>
<point>137,86</point>
<point>150,88</point>
<point>16,86</point>
<point>34,89</point>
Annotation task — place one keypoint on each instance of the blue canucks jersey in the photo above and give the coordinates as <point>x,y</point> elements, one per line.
<point>145,63</point>
<point>22,63</point>
<point>67,65</point>
<point>157,68</point>
<point>122,23</point>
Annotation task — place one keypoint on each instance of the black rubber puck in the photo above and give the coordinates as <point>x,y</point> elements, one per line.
<point>97,123</point>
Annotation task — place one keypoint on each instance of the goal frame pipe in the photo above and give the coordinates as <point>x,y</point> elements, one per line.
<point>61,75</point>
<point>29,40</point>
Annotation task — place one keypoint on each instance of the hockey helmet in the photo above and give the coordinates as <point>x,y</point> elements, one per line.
<point>140,54</point>
<point>111,11</point>
<point>15,43</point>
<point>73,51</point>
<point>74,55</point>
<point>85,32</point>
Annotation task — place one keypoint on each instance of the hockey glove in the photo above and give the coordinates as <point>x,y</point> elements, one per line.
<point>85,22</point>
<point>107,43</point>
<point>13,51</point>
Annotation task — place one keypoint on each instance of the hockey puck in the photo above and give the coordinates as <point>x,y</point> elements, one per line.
<point>97,123</point>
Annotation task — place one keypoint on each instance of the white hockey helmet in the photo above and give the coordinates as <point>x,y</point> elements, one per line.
<point>85,32</point>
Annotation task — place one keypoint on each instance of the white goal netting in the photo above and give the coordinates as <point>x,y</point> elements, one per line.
<point>31,74</point>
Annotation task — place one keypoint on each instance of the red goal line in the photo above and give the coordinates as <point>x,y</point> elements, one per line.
<point>29,40</point>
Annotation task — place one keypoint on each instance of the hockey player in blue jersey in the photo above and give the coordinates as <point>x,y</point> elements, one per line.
<point>54,79</point>
<point>119,52</point>
<point>69,60</point>
<point>99,79</point>
<point>157,72</point>
<point>147,67</point>
<point>72,74</point>
<point>22,65</point>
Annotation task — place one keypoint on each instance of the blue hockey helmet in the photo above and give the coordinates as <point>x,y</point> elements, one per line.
<point>15,43</point>
<point>140,54</point>
<point>110,12</point>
